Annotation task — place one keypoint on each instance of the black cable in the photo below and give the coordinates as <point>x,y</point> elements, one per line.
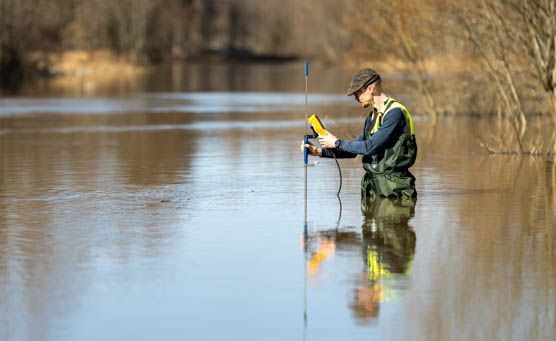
<point>339,189</point>
<point>339,170</point>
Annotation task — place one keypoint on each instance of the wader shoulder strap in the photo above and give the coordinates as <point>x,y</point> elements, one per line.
<point>389,103</point>
<point>393,104</point>
<point>380,115</point>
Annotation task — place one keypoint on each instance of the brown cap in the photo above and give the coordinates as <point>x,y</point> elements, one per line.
<point>363,77</point>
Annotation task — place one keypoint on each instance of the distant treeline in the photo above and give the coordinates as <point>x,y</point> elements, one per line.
<point>151,31</point>
<point>501,54</point>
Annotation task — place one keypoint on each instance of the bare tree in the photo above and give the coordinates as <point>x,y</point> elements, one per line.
<point>516,41</point>
<point>400,29</point>
<point>539,22</point>
<point>26,28</point>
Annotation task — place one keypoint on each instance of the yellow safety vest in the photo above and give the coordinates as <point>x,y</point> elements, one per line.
<point>388,106</point>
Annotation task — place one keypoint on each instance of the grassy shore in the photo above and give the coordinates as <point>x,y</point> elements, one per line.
<point>93,63</point>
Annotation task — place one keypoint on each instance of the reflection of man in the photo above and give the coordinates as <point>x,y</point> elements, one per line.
<point>388,248</point>
<point>387,142</point>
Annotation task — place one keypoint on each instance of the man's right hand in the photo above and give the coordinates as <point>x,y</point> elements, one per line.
<point>312,150</point>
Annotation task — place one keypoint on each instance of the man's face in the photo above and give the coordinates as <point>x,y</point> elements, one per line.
<point>365,96</point>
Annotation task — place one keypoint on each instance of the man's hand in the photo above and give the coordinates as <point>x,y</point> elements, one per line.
<point>327,140</point>
<point>312,150</point>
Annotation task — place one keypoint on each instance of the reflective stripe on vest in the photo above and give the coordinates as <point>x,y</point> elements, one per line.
<point>393,104</point>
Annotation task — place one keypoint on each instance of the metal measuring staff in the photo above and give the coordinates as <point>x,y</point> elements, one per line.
<point>305,159</point>
<point>306,138</point>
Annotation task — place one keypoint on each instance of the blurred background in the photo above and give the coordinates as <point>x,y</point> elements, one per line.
<point>151,182</point>
<point>493,57</point>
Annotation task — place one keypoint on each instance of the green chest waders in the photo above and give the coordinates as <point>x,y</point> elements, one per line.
<point>387,171</point>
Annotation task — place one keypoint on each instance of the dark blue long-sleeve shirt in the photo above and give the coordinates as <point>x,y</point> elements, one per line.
<point>393,125</point>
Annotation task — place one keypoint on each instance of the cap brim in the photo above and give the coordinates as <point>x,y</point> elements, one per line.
<point>351,91</point>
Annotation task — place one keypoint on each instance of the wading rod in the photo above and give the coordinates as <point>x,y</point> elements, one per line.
<point>305,237</point>
<point>305,139</point>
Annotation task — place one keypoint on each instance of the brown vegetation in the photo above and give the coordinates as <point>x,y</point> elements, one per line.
<point>481,56</point>
<point>512,46</point>
<point>516,41</point>
<point>93,63</point>
<point>144,30</point>
<point>151,31</point>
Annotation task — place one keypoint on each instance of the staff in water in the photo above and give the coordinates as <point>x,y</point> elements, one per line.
<point>387,142</point>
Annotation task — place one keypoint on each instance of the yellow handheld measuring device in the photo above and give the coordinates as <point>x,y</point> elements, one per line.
<point>316,125</point>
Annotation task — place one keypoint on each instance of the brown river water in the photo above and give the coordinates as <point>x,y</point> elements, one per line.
<point>170,207</point>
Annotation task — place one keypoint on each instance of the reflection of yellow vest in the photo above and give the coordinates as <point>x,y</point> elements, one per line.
<point>388,106</point>
<point>378,271</point>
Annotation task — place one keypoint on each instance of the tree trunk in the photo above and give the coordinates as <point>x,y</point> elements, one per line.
<point>553,113</point>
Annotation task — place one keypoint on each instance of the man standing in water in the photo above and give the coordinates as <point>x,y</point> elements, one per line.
<point>387,142</point>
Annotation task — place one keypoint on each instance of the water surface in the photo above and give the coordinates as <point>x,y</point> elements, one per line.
<point>172,208</point>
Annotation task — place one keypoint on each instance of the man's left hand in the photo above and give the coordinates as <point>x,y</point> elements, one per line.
<point>327,140</point>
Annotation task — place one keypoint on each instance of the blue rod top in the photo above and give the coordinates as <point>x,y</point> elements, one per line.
<point>305,152</point>
<point>306,68</point>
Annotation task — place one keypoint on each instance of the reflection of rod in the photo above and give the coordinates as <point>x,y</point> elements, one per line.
<point>305,156</point>
<point>305,250</point>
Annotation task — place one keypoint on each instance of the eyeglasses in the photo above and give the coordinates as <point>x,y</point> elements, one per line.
<point>360,92</point>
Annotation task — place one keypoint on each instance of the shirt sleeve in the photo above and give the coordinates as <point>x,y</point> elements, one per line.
<point>342,154</point>
<point>392,124</point>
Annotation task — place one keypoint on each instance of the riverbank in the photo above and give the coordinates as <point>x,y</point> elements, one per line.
<point>104,62</point>
<point>93,63</point>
